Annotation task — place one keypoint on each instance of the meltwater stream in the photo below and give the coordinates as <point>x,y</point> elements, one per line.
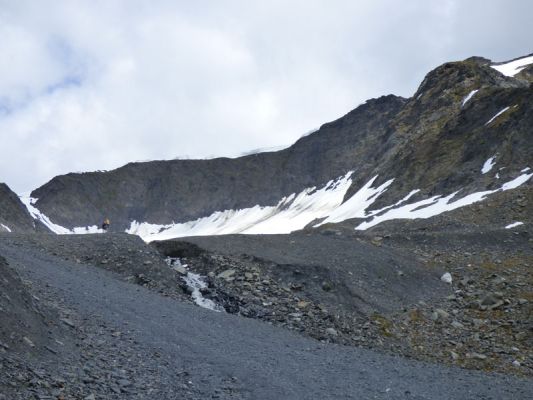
<point>195,282</point>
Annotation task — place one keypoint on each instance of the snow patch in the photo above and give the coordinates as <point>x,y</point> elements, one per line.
<point>468,97</point>
<point>497,115</point>
<point>488,165</point>
<point>514,224</point>
<point>514,67</point>
<point>356,205</point>
<point>5,227</point>
<point>446,277</point>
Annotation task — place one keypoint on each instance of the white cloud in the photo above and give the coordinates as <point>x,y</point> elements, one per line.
<point>88,85</point>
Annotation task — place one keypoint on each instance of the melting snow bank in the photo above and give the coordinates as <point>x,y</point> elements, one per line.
<point>195,282</point>
<point>437,205</point>
<point>514,224</point>
<point>514,67</point>
<point>60,230</point>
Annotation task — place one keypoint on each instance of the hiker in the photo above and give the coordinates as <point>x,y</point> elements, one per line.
<point>105,224</point>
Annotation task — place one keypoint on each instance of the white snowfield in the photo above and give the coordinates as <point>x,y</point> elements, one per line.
<point>297,211</point>
<point>294,212</point>
<point>514,67</point>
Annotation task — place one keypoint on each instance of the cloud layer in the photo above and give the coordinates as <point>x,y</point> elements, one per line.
<point>87,85</point>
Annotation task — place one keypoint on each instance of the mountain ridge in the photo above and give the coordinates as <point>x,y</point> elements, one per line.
<point>435,141</point>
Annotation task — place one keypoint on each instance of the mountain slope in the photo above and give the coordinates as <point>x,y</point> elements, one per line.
<point>14,217</point>
<point>437,142</point>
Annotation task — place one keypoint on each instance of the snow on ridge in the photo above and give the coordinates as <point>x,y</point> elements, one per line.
<point>469,96</point>
<point>5,227</point>
<point>514,224</point>
<point>296,211</point>
<point>36,214</point>
<point>488,165</point>
<point>437,204</point>
<point>497,115</point>
<point>513,67</point>
<point>291,213</point>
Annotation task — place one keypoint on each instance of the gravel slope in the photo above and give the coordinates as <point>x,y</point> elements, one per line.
<point>223,356</point>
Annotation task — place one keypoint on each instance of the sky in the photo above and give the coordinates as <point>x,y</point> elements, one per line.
<point>92,85</point>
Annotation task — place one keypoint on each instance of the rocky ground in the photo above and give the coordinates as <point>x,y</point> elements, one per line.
<point>481,321</point>
<point>48,350</point>
<point>126,255</point>
<point>97,335</point>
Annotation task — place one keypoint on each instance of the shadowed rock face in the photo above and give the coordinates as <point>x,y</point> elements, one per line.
<point>13,213</point>
<point>429,142</point>
<point>22,327</point>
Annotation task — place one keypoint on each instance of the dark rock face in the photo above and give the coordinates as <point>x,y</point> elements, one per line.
<point>430,142</point>
<point>13,214</point>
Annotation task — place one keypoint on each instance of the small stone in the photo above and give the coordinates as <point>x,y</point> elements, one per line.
<point>457,325</point>
<point>147,262</point>
<point>332,332</point>
<point>68,322</point>
<point>491,299</point>
<point>124,383</point>
<point>302,304</point>
<point>446,277</point>
<point>28,341</point>
<point>478,322</point>
<point>516,363</point>
<point>249,276</point>
<point>227,274</point>
<point>454,355</point>
<point>327,286</point>
<point>90,397</point>
<point>441,313</point>
<point>180,269</point>
<point>477,356</point>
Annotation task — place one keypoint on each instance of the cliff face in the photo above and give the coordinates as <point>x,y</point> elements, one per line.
<point>435,141</point>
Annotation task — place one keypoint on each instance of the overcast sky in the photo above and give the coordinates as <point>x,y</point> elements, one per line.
<point>88,85</point>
